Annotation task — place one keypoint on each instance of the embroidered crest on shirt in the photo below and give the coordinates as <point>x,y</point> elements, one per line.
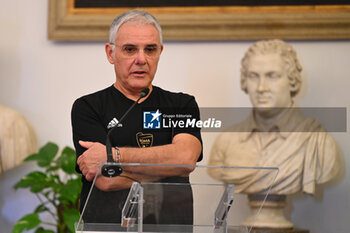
<point>144,140</point>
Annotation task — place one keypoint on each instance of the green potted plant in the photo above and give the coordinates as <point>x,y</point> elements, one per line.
<point>57,187</point>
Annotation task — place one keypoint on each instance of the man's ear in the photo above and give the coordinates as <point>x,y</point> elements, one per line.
<point>110,53</point>
<point>161,49</point>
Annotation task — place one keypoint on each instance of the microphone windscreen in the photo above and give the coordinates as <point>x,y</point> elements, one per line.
<point>144,92</point>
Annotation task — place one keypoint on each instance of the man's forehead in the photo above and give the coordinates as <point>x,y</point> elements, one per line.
<point>138,34</point>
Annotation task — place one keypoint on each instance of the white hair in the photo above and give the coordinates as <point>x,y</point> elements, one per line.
<point>138,16</point>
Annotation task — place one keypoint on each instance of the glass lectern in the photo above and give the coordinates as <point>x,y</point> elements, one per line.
<point>160,201</point>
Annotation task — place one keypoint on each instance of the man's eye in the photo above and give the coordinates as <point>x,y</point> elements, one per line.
<point>150,49</point>
<point>130,49</point>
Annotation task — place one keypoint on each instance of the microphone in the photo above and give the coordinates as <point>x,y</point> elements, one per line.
<point>110,169</point>
<point>143,93</point>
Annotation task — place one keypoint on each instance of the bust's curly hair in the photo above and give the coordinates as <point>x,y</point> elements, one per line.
<point>287,53</point>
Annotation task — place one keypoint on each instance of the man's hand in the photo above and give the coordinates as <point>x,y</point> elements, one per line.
<point>91,158</point>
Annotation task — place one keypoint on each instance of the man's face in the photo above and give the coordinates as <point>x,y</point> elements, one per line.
<point>136,54</point>
<point>267,83</point>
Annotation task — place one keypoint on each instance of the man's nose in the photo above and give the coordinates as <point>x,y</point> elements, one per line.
<point>262,84</point>
<point>141,57</point>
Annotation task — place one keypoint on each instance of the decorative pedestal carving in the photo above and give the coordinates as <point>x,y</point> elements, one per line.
<point>271,214</point>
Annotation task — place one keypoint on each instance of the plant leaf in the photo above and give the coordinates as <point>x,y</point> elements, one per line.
<point>45,156</point>
<point>52,168</point>
<point>42,230</point>
<point>41,208</point>
<point>70,217</point>
<point>27,222</point>
<point>67,160</point>
<point>36,181</point>
<point>31,157</point>
<point>71,190</point>
<point>55,184</point>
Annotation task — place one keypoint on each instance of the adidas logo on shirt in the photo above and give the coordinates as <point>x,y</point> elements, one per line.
<point>113,123</point>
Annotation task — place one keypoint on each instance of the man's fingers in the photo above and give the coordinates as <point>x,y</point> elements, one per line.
<point>89,177</point>
<point>86,144</point>
<point>89,160</point>
<point>80,158</point>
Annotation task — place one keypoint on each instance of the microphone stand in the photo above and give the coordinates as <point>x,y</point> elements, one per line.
<point>110,169</point>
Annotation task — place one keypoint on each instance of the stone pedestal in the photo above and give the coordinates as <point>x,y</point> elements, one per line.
<point>270,215</point>
<point>274,230</point>
<point>269,230</point>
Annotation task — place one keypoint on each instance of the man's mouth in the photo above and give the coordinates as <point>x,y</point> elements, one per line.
<point>139,72</point>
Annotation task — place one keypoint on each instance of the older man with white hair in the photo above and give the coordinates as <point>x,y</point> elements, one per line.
<point>134,49</point>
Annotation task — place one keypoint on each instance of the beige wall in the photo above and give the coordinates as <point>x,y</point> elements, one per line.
<point>41,79</point>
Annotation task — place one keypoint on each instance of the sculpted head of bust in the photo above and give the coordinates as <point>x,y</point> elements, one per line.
<point>270,75</point>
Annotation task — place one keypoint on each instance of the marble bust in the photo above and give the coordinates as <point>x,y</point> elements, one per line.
<point>275,134</point>
<point>17,139</point>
